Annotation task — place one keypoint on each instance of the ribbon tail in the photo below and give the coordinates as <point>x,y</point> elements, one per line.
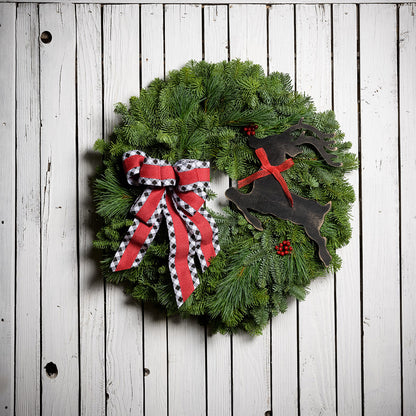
<point>182,249</point>
<point>139,236</point>
<point>134,245</point>
<point>284,186</point>
<point>202,226</point>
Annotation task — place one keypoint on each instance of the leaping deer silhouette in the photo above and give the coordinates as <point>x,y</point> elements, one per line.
<point>270,194</point>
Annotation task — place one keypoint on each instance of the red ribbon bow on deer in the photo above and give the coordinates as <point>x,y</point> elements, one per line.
<point>268,169</point>
<point>176,192</point>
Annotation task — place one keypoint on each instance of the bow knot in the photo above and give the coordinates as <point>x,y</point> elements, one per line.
<point>268,169</point>
<point>176,192</point>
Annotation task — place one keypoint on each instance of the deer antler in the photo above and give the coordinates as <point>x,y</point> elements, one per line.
<point>319,144</point>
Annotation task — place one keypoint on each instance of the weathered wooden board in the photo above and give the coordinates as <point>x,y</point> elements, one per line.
<point>407,59</point>
<point>348,279</point>
<point>7,206</point>
<point>316,313</point>
<point>124,336</point>
<point>27,394</point>
<point>251,356</point>
<point>209,2</point>
<point>186,338</point>
<point>380,210</point>
<point>91,284</point>
<point>218,346</point>
<point>154,321</point>
<point>64,93</point>
<point>59,274</point>
<point>284,327</point>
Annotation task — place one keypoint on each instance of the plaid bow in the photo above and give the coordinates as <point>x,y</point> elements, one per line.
<point>176,192</point>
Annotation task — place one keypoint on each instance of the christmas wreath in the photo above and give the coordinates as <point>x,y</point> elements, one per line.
<point>150,189</point>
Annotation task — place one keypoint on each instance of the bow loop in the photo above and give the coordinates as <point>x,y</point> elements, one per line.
<point>143,170</point>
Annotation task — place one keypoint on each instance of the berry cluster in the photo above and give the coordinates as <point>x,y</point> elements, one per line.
<point>251,129</point>
<point>284,248</point>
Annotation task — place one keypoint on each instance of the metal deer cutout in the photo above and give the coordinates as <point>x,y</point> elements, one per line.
<point>270,194</point>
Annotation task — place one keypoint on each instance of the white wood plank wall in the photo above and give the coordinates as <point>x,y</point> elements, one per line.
<point>71,344</point>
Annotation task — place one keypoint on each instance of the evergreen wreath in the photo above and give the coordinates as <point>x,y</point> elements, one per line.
<point>204,111</point>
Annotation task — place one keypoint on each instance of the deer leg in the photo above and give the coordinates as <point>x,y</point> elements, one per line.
<point>315,235</point>
<point>240,200</point>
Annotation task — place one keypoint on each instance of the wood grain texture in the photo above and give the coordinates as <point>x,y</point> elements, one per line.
<point>248,33</point>
<point>316,313</point>
<point>215,33</point>
<point>7,206</point>
<point>186,338</point>
<point>27,395</point>
<point>91,285</point>
<point>152,42</point>
<point>282,39</point>
<point>407,59</point>
<point>216,50</point>
<point>154,321</point>
<point>58,101</point>
<point>218,349</point>
<point>182,20</point>
<point>217,1</point>
<point>59,210</point>
<point>380,209</point>
<point>348,278</point>
<point>123,316</point>
<point>251,356</point>
<point>284,327</point>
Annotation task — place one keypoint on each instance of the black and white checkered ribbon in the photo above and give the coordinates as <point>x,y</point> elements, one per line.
<point>176,192</point>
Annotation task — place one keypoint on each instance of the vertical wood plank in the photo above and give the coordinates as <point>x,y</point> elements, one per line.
<point>59,211</point>
<point>186,338</point>
<point>248,33</point>
<point>284,327</point>
<point>215,33</point>
<point>218,346</point>
<point>91,286</point>
<point>27,395</point>
<point>121,29</point>
<point>316,313</point>
<point>154,321</point>
<point>407,39</point>
<point>282,39</point>
<point>251,355</point>
<point>349,277</point>
<point>7,206</point>
<point>152,42</point>
<point>183,34</point>
<point>216,50</point>
<point>380,209</point>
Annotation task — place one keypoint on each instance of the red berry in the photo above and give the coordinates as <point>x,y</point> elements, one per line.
<point>286,252</point>
<point>275,247</point>
<point>290,248</point>
<point>281,253</point>
<point>256,126</point>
